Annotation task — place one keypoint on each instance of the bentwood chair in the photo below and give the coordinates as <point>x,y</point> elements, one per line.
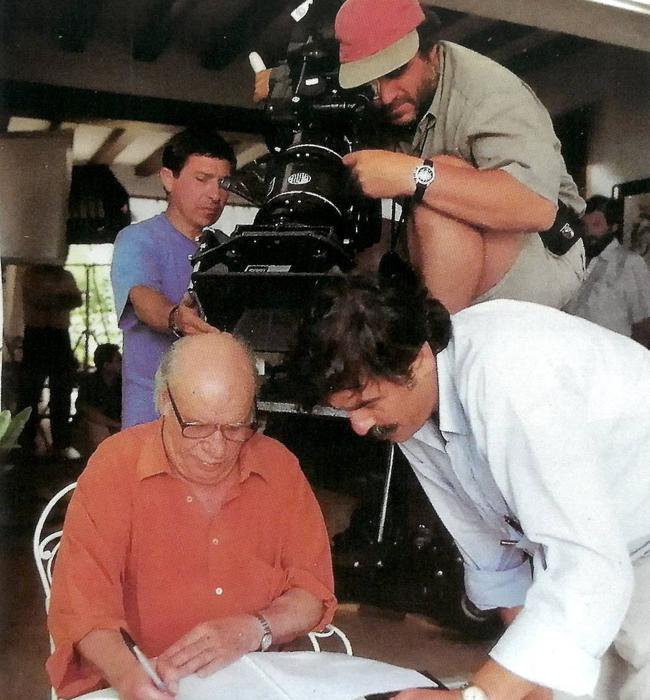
<point>45,547</point>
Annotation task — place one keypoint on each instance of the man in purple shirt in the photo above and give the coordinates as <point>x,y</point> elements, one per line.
<point>151,269</point>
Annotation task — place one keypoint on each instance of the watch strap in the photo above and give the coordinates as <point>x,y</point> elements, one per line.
<point>420,187</point>
<point>267,634</point>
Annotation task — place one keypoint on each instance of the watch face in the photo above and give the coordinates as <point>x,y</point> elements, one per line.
<point>424,174</point>
<point>266,641</point>
<point>473,692</point>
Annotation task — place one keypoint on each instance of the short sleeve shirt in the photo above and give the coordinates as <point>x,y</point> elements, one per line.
<point>152,254</point>
<point>490,118</point>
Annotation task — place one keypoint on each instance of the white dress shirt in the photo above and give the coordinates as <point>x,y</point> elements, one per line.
<point>544,419</point>
<point>616,290</point>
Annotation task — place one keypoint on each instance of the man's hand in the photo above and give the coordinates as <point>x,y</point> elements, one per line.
<point>189,322</point>
<point>209,647</point>
<point>261,90</point>
<point>136,685</point>
<point>383,174</point>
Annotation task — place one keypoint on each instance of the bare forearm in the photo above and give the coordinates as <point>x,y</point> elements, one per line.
<point>492,200</point>
<point>488,199</point>
<point>295,612</point>
<point>106,650</point>
<point>501,684</point>
<point>151,307</point>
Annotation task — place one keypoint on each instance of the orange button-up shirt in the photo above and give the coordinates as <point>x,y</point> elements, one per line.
<point>139,550</point>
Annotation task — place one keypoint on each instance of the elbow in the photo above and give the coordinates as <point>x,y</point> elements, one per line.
<point>544,214</point>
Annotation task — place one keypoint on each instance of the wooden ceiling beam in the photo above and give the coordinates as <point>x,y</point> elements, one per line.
<point>114,144</point>
<point>153,30</point>
<point>76,24</point>
<point>150,165</point>
<point>59,103</point>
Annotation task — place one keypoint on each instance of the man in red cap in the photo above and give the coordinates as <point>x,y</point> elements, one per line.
<point>486,174</point>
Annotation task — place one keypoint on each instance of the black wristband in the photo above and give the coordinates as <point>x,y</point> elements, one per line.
<point>423,175</point>
<point>171,322</point>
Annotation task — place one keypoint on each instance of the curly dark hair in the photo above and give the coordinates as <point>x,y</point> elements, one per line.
<point>362,326</point>
<point>196,140</point>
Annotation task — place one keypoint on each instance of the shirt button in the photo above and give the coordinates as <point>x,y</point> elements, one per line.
<point>189,499</point>
<point>215,540</point>
<point>218,591</point>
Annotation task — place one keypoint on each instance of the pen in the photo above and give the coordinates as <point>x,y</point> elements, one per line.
<point>143,660</point>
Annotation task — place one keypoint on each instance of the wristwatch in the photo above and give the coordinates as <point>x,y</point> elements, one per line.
<point>267,637</point>
<point>171,321</point>
<point>473,692</point>
<point>423,175</point>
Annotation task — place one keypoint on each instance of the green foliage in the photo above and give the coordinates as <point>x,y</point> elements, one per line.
<point>10,428</point>
<point>90,265</point>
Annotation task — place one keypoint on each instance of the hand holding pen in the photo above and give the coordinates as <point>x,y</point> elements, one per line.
<point>146,665</point>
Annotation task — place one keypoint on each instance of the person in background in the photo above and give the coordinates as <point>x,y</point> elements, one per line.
<point>99,401</point>
<point>49,294</point>
<point>196,533</point>
<point>529,431</point>
<point>151,270</point>
<point>485,173</point>
<point>616,291</point>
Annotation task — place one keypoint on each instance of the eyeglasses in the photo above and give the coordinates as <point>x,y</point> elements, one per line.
<point>237,432</point>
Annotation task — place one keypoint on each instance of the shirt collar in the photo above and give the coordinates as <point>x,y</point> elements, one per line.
<point>428,121</point>
<point>610,251</point>
<point>153,458</point>
<point>451,417</point>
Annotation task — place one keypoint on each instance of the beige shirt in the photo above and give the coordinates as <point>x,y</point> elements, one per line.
<point>490,118</point>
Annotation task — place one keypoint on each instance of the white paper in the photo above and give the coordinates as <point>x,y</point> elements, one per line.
<point>300,675</point>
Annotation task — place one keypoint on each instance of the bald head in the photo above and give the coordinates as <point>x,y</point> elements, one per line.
<point>208,366</point>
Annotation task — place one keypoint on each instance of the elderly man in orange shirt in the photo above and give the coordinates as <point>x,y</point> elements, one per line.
<point>195,533</point>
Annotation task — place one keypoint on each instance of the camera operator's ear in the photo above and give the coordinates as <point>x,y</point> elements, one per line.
<point>167,178</point>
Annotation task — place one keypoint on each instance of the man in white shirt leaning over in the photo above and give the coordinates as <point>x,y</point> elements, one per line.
<point>529,430</point>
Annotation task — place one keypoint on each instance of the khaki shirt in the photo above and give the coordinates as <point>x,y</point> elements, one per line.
<point>487,116</point>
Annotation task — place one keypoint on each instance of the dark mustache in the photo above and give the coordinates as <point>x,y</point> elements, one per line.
<point>383,432</point>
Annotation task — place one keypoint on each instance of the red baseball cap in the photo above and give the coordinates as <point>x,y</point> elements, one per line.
<point>375,37</point>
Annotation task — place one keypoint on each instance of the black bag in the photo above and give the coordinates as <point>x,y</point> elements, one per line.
<point>565,232</point>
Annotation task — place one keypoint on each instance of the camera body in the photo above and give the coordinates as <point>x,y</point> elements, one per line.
<point>312,218</point>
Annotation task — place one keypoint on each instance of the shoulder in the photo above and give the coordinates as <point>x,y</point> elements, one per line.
<point>111,469</point>
<point>511,340</point>
<point>149,231</point>
<point>478,76</point>
<point>273,461</point>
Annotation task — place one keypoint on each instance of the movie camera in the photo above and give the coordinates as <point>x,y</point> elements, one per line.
<point>312,219</point>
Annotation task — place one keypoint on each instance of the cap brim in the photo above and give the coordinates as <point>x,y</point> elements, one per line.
<point>364,70</point>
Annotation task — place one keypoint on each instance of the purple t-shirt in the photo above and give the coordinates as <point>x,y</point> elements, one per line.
<point>152,254</point>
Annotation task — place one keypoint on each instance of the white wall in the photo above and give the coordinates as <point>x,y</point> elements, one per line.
<point>35,171</point>
<point>617,83</point>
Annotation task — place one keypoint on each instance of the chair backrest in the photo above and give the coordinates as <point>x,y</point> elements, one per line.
<point>330,631</point>
<point>46,546</point>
